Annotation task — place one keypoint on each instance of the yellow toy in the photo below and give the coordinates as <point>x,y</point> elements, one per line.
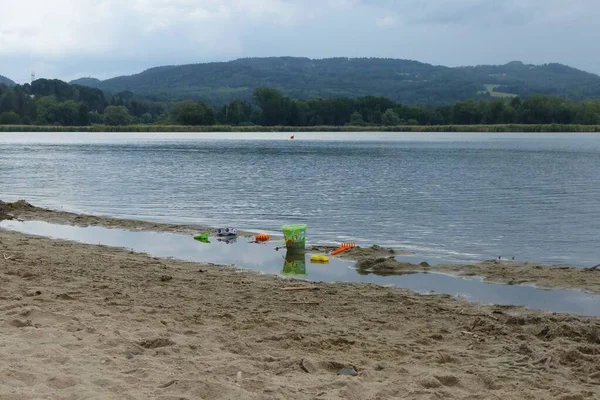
<point>318,258</point>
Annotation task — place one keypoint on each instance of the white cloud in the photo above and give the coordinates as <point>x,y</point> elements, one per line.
<point>104,37</point>
<point>55,28</point>
<point>387,21</point>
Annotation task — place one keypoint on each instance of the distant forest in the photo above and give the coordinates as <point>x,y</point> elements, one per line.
<point>53,102</point>
<point>402,81</point>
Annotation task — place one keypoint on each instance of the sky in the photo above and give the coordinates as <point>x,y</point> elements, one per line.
<point>68,39</point>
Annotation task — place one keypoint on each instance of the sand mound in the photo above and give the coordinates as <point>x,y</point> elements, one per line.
<point>7,209</point>
<point>386,266</point>
<point>358,252</point>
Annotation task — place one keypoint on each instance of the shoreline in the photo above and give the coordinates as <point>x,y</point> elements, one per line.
<point>492,271</point>
<point>92,321</point>
<point>504,128</point>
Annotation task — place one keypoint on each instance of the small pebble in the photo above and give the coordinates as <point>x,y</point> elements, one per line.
<point>129,356</point>
<point>348,372</point>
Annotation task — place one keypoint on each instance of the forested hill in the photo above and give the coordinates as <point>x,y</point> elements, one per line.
<point>404,81</point>
<point>5,81</point>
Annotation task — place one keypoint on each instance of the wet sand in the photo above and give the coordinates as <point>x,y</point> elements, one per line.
<point>510,272</point>
<point>27,212</point>
<point>83,321</point>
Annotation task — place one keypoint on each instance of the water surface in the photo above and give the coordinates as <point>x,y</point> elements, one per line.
<point>264,258</point>
<point>459,197</point>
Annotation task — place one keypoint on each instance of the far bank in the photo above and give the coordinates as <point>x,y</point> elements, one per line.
<point>509,128</point>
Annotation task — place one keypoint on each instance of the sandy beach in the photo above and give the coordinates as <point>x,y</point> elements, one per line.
<point>501,271</point>
<point>81,322</point>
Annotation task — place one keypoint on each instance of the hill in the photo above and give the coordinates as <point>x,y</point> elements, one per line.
<point>90,82</point>
<point>5,81</point>
<point>405,81</point>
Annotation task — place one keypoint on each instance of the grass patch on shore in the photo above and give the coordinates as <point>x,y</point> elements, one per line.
<point>567,128</point>
<point>490,89</point>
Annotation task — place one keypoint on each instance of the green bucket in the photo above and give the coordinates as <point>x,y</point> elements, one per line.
<point>294,236</point>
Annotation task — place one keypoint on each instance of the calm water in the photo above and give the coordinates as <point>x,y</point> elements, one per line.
<point>452,196</point>
<point>265,259</point>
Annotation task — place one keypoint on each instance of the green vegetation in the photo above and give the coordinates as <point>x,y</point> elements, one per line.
<point>402,81</point>
<point>5,81</point>
<point>348,128</point>
<point>491,90</point>
<point>56,103</point>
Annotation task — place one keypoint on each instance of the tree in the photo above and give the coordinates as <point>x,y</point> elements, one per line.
<point>192,113</point>
<point>274,106</point>
<point>95,117</point>
<point>8,101</point>
<point>467,113</point>
<point>356,119</point>
<point>236,113</point>
<point>83,115</point>
<point>146,118</point>
<point>390,118</point>
<point>67,113</point>
<point>45,110</point>
<point>116,115</point>
<point>542,109</point>
<point>588,113</point>
<point>9,118</point>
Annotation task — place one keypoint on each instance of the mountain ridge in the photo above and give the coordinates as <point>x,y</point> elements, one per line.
<point>5,81</point>
<point>406,81</point>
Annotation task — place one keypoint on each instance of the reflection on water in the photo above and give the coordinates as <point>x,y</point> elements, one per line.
<point>294,264</point>
<point>264,258</point>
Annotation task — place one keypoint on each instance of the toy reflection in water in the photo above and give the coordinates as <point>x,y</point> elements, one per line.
<point>294,264</point>
<point>228,240</point>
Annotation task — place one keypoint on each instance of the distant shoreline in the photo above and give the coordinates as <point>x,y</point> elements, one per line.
<point>515,128</point>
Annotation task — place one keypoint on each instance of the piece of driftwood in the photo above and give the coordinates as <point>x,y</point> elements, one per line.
<point>297,288</point>
<point>594,268</point>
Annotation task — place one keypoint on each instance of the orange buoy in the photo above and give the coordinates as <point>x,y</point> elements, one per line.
<point>263,237</point>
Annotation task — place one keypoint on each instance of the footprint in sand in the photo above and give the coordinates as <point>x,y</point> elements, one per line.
<point>44,318</point>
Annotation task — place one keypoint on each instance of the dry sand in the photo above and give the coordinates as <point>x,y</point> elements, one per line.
<point>91,322</point>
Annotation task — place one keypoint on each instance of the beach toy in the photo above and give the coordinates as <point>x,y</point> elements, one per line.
<point>319,258</point>
<point>227,232</point>
<point>342,248</point>
<point>203,237</point>
<point>262,237</point>
<point>294,236</point>
<point>294,264</point>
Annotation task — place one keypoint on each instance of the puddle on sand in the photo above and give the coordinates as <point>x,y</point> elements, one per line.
<point>264,258</point>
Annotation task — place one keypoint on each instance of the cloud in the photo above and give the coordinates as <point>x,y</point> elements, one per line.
<point>387,21</point>
<point>63,38</point>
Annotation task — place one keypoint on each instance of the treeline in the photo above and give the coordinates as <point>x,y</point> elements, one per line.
<point>53,102</point>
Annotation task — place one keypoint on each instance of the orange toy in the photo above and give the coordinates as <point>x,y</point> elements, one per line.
<point>263,237</point>
<point>342,248</point>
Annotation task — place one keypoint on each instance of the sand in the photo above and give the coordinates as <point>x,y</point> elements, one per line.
<point>511,272</point>
<point>25,211</point>
<point>81,322</point>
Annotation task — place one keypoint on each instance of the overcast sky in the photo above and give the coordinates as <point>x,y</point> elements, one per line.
<point>67,39</point>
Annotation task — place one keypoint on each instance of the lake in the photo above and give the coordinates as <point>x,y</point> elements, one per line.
<point>456,197</point>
